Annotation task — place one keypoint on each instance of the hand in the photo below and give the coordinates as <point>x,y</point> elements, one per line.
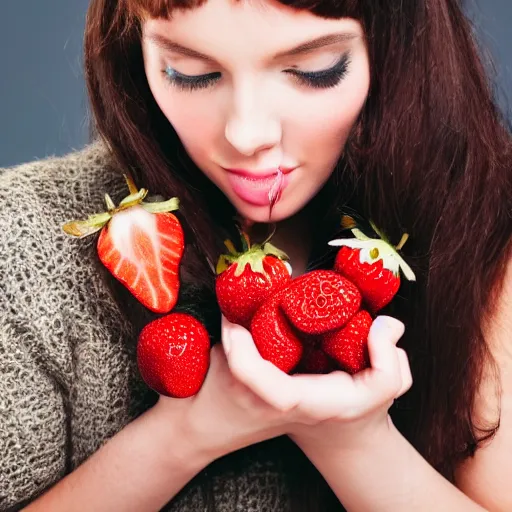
<point>323,409</point>
<point>355,408</point>
<point>246,399</point>
<point>225,415</point>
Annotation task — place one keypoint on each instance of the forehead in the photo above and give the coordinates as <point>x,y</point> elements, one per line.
<point>261,27</point>
<point>165,8</point>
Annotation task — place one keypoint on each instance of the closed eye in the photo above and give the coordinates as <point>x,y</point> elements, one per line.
<point>190,82</point>
<point>324,78</point>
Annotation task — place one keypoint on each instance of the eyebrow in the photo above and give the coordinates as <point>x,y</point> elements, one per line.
<point>330,39</point>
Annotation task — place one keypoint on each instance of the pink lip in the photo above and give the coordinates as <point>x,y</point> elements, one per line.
<point>257,175</point>
<point>254,187</point>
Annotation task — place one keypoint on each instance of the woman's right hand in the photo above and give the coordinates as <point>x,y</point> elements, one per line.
<point>225,415</point>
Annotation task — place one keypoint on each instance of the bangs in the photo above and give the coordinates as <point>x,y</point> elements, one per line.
<point>326,8</point>
<point>158,8</point>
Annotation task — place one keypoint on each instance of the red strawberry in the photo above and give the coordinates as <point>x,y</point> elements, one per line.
<point>141,244</point>
<point>315,360</point>
<point>320,301</point>
<point>348,346</point>
<point>173,355</point>
<point>246,279</point>
<point>377,284</point>
<point>274,336</point>
<point>373,265</point>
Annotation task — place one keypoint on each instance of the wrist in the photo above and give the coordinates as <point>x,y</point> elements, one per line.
<point>175,437</point>
<point>347,439</point>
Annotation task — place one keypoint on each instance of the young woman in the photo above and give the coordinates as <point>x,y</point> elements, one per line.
<point>379,108</point>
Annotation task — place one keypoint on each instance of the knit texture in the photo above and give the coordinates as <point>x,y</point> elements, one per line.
<point>69,379</point>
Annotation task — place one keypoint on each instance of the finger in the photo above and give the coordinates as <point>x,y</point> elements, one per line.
<point>390,327</point>
<point>263,378</point>
<point>405,372</point>
<point>385,375</point>
<point>339,394</point>
<point>327,396</point>
<point>227,330</point>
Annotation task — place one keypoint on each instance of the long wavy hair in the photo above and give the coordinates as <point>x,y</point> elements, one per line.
<point>429,155</point>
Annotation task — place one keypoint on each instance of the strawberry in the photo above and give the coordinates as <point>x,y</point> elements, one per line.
<point>141,244</point>
<point>320,301</point>
<point>246,279</point>
<point>274,336</point>
<point>373,265</point>
<point>173,355</point>
<point>348,346</point>
<point>315,360</point>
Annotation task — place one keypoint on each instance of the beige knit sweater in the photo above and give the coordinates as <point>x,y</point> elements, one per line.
<point>68,376</point>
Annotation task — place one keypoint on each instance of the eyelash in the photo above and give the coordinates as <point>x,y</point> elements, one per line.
<point>189,83</point>
<point>323,79</point>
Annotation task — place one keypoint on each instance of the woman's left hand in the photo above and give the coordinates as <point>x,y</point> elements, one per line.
<point>331,410</point>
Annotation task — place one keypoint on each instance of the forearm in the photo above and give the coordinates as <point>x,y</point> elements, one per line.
<point>388,474</point>
<point>139,469</point>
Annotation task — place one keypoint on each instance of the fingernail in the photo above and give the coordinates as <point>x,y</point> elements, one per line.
<point>386,323</point>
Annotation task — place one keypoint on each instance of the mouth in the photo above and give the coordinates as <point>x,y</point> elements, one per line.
<point>261,174</point>
<point>255,187</point>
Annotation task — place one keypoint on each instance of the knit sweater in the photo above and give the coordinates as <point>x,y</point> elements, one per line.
<point>69,378</point>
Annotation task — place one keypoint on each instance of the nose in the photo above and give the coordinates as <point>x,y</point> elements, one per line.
<point>253,125</point>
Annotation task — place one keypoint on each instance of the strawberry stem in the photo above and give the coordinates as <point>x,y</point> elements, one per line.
<point>404,239</point>
<point>347,222</point>
<point>230,247</point>
<point>93,223</point>
<point>110,204</point>
<point>133,199</point>
<point>272,233</point>
<point>163,207</point>
<point>131,184</point>
<point>246,243</point>
<point>379,232</point>
<point>82,228</point>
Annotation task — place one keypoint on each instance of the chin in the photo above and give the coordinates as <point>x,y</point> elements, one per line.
<point>260,214</point>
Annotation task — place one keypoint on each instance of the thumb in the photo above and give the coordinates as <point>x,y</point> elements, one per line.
<point>231,332</point>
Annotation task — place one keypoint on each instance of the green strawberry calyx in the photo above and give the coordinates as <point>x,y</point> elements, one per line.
<point>252,255</point>
<point>95,222</point>
<point>374,249</point>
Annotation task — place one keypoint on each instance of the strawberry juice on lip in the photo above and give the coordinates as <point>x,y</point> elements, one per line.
<point>255,190</point>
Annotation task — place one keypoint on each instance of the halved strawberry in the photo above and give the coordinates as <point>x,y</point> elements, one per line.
<point>349,346</point>
<point>373,265</point>
<point>246,279</point>
<point>274,337</point>
<point>320,301</point>
<point>141,244</point>
<point>173,355</point>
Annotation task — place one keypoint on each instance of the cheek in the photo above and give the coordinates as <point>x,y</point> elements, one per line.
<point>192,115</point>
<point>326,119</point>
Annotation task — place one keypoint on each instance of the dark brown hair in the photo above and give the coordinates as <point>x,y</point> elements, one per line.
<point>430,155</point>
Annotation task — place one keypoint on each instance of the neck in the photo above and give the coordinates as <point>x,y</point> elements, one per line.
<point>293,236</point>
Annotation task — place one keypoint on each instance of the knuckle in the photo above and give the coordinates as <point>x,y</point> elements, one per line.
<point>402,354</point>
<point>284,407</point>
<point>237,366</point>
<point>391,385</point>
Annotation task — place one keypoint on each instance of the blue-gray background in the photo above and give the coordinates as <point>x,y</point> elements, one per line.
<point>43,106</point>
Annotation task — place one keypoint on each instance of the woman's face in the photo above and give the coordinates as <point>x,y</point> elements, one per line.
<point>251,87</point>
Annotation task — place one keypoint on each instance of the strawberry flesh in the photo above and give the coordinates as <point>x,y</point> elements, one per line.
<point>349,346</point>
<point>173,355</point>
<point>320,301</point>
<point>143,251</point>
